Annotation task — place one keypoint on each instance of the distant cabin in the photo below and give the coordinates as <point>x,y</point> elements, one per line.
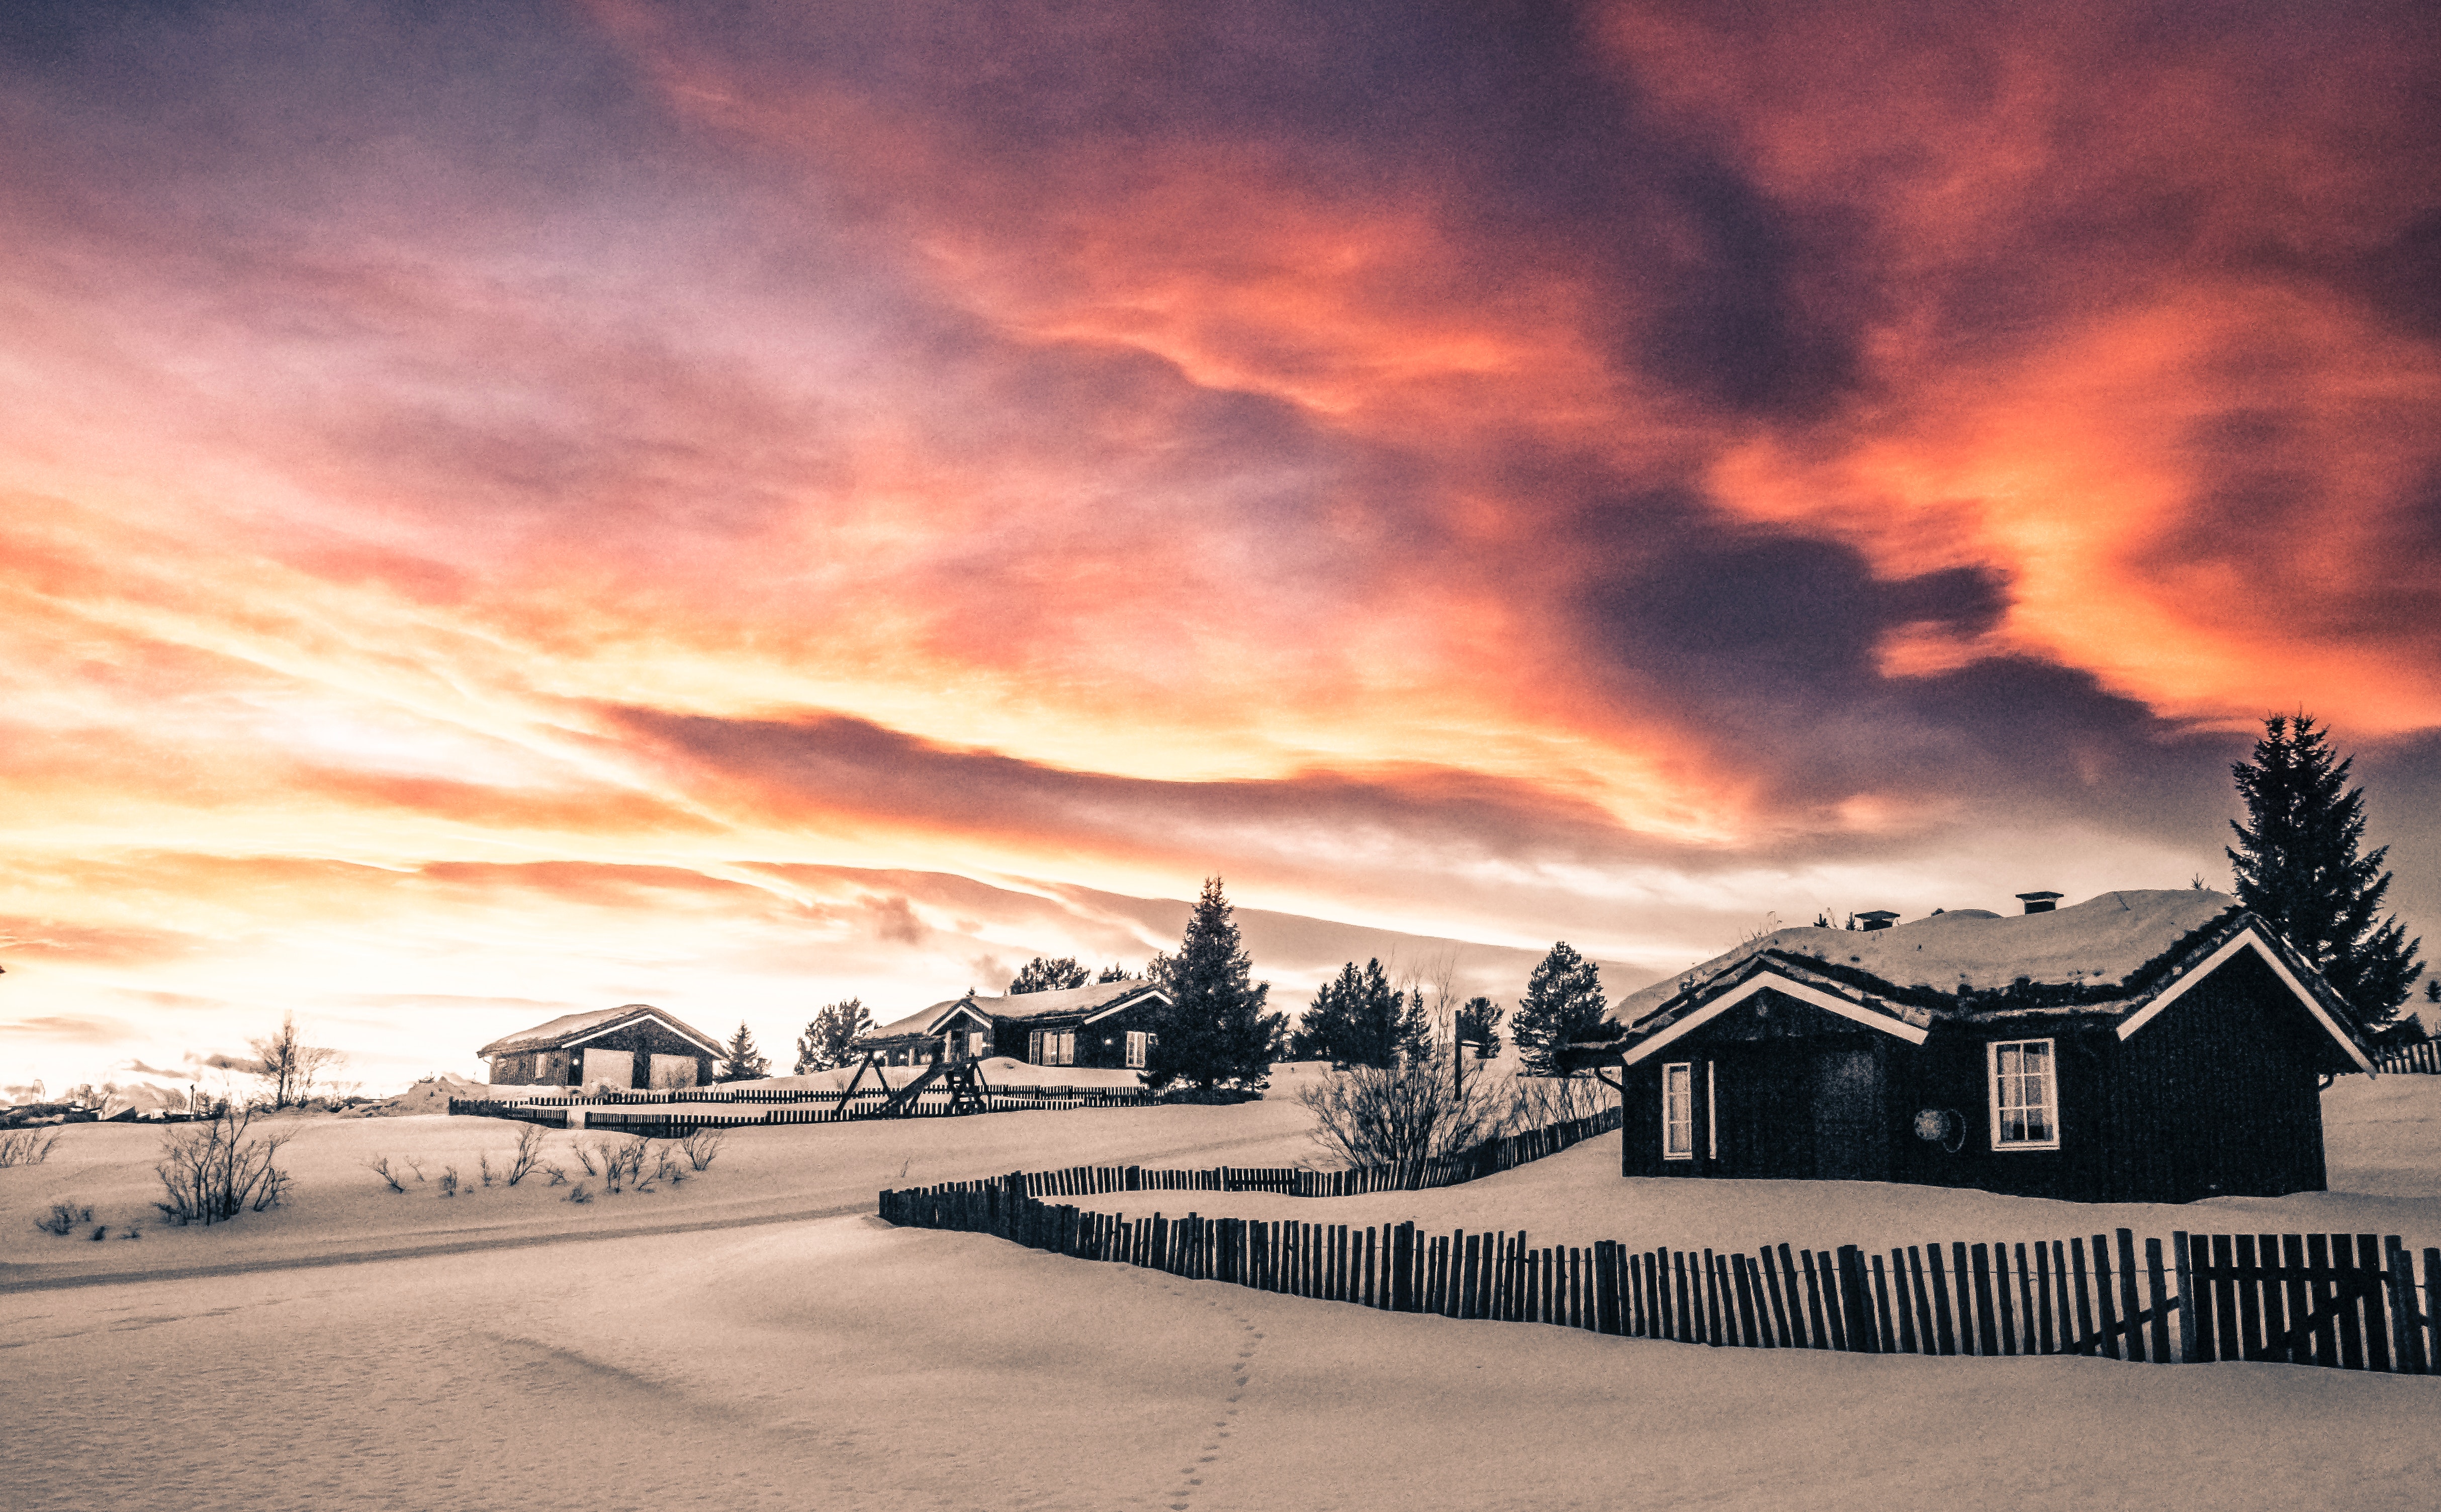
<point>1111,1024</point>
<point>2142,1047</point>
<point>631,1047</point>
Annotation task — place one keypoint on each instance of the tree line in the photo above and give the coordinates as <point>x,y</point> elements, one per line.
<point>2299,864</point>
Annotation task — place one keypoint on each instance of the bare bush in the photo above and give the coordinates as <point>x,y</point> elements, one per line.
<point>1402,1115</point>
<point>702,1147</point>
<point>412,1164</point>
<point>484,1166</point>
<point>622,1163</point>
<point>528,1156</point>
<point>213,1171</point>
<point>667,1166</point>
<point>1540,1100</point>
<point>585,1157</point>
<point>62,1218</point>
<point>379,1166</point>
<point>578,1194</point>
<point>26,1146</point>
<point>558,1174</point>
<point>449,1180</point>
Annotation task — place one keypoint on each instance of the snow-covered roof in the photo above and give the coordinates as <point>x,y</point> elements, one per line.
<point>568,1028</point>
<point>1087,1002</point>
<point>931,1021</point>
<point>2122,955</point>
<point>2101,941</point>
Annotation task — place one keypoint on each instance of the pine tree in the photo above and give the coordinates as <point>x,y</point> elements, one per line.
<point>2296,866</point>
<point>1359,1020</point>
<point>1113,972</point>
<point>830,1039</point>
<point>1214,1030</point>
<point>1324,1026</point>
<point>741,1062</point>
<point>1478,1024</point>
<point>1043,974</point>
<point>1564,1002</point>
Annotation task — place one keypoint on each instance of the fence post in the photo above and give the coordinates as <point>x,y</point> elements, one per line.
<point>2160,1301</point>
<point>2407,1337</point>
<point>1852,1298</point>
<point>2190,1347</point>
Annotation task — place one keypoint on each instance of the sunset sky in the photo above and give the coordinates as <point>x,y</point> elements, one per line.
<point>519,507</point>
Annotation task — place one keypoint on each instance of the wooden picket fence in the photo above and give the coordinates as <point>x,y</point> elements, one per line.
<point>2336,1300</point>
<point>2421,1059</point>
<point>653,1114</point>
<point>1479,1161</point>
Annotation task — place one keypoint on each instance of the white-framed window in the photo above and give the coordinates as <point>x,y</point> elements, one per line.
<point>1137,1044</point>
<point>1051,1048</point>
<point>2025,1094</point>
<point>1678,1111</point>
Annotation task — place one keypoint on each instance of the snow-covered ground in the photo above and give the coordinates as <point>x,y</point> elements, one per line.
<point>839,1363</point>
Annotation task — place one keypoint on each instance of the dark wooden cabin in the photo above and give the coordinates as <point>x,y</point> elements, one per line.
<point>956,1029</point>
<point>1110,1024</point>
<point>631,1047</point>
<point>2143,1047</point>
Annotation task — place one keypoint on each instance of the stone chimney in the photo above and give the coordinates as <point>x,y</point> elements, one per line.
<point>2039,902</point>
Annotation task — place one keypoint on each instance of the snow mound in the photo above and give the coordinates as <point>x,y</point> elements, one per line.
<point>2099,942</point>
<point>430,1095</point>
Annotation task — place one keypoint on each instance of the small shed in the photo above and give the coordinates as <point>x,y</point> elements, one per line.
<point>2141,1047</point>
<point>1112,1024</point>
<point>633,1046</point>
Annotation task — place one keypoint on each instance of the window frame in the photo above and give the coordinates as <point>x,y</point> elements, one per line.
<point>1138,1047</point>
<point>2049,1078</point>
<point>1685,1070</point>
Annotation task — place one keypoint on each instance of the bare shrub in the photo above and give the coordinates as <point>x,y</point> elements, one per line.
<point>484,1166</point>
<point>63,1219</point>
<point>667,1166</point>
<point>702,1147</point>
<point>585,1157</point>
<point>1402,1115</point>
<point>213,1171</point>
<point>100,1232</point>
<point>578,1194</point>
<point>412,1164</point>
<point>622,1163</point>
<point>449,1180</point>
<point>26,1146</point>
<point>379,1166</point>
<point>528,1156</point>
<point>1539,1100</point>
<point>558,1174</point>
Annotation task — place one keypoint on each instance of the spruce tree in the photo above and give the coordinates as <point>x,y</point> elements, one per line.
<point>1325,1027</point>
<point>830,1039</point>
<point>1478,1024</point>
<point>1043,974</point>
<point>2296,866</point>
<point>1564,1002</point>
<point>1215,1031</point>
<point>741,1062</point>
<point>1361,1019</point>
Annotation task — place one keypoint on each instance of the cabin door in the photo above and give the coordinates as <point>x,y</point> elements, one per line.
<point>1759,1113</point>
<point>1850,1135</point>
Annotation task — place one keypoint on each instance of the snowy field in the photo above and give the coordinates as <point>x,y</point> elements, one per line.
<point>835,1362</point>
